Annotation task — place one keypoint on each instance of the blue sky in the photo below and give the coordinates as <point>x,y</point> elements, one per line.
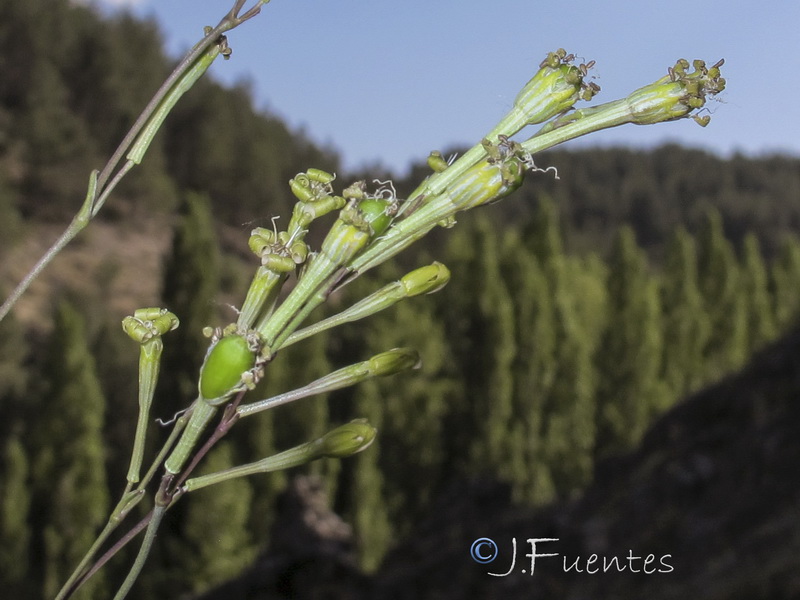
<point>386,81</point>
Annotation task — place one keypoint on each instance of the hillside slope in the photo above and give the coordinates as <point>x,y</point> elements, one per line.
<point>712,493</point>
<point>713,485</point>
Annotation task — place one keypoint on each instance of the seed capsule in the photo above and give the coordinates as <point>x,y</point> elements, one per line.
<point>224,365</point>
<point>374,211</point>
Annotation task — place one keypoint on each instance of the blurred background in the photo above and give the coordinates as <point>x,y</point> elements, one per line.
<point>613,363</point>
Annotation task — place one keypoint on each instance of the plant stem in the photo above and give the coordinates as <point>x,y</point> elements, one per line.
<point>98,189</point>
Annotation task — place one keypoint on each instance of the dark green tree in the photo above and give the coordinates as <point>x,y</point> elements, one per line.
<point>413,405</point>
<point>367,509</point>
<point>571,318</point>
<point>69,467</point>
<point>191,284</point>
<point>14,529</point>
<point>758,301</point>
<point>543,234</point>
<point>217,543</point>
<point>478,315</point>
<point>629,357</point>
<point>785,281</point>
<point>686,324</point>
<point>533,370</point>
<point>569,413</point>
<point>190,288</point>
<point>723,298</point>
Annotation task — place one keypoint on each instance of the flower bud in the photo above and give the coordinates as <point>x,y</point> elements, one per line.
<point>393,361</point>
<point>675,95</point>
<point>149,323</point>
<point>425,280</point>
<point>486,182</point>
<point>555,88</point>
<point>437,162</point>
<point>346,440</point>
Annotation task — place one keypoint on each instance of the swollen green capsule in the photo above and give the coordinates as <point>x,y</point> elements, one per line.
<point>375,212</point>
<point>224,365</point>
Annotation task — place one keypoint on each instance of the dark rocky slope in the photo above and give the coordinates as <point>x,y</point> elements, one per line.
<point>712,493</point>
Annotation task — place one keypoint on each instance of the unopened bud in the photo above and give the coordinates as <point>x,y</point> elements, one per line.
<point>486,182</point>
<point>148,323</point>
<point>555,88</point>
<point>675,95</point>
<point>425,280</point>
<point>345,440</point>
<point>393,361</point>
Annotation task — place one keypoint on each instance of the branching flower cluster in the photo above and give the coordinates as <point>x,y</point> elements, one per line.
<point>371,226</point>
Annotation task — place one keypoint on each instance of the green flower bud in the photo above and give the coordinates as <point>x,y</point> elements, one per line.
<point>425,280</point>
<point>393,361</point>
<point>346,440</point>
<point>224,365</point>
<point>437,162</point>
<point>149,323</point>
<point>486,182</point>
<point>675,95</point>
<point>261,241</point>
<point>555,88</point>
<point>320,176</point>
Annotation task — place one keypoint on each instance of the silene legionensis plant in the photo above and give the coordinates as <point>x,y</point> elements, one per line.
<point>370,225</point>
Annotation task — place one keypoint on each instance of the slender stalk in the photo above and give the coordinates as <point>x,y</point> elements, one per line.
<point>162,503</point>
<point>130,498</point>
<point>98,190</point>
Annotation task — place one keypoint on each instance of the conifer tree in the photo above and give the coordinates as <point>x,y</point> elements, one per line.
<point>533,370</point>
<point>15,496</point>
<point>629,358</point>
<point>569,415</point>
<point>14,529</point>
<point>191,284</point>
<point>480,326</point>
<point>566,434</point>
<point>306,419</point>
<point>218,544</point>
<point>14,375</point>
<point>266,488</point>
<point>758,302</point>
<point>116,359</point>
<point>785,283</point>
<point>366,506</point>
<point>69,469</point>
<point>723,299</point>
<point>686,324</point>
<point>413,405</point>
<point>543,234</point>
<point>275,430</point>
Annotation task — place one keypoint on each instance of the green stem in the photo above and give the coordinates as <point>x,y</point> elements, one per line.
<point>78,223</point>
<point>130,498</point>
<point>98,190</point>
<point>147,543</point>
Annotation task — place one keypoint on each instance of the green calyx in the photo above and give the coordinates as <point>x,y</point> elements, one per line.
<point>555,88</point>
<point>425,280</point>
<point>345,440</point>
<point>676,94</point>
<point>486,182</point>
<point>224,367</point>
